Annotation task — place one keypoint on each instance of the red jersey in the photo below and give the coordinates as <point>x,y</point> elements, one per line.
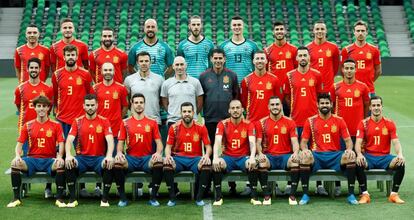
<point>69,90</point>
<point>325,134</point>
<point>235,140</point>
<point>23,54</point>
<point>42,138</point>
<point>56,53</point>
<point>366,58</point>
<point>256,92</point>
<point>276,135</point>
<point>325,58</point>
<point>303,90</point>
<point>91,135</point>
<point>111,100</point>
<point>100,56</point>
<point>139,135</point>
<point>187,141</point>
<point>23,97</point>
<point>377,136</point>
<point>281,59</point>
<point>349,102</point>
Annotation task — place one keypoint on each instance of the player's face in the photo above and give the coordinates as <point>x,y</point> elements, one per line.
<point>237,27</point>
<point>303,58</point>
<point>42,109</point>
<point>279,32</point>
<point>376,107</point>
<point>67,29</point>
<point>320,31</point>
<point>32,34</point>
<point>107,38</point>
<point>179,66</point>
<point>275,107</point>
<point>349,70</point>
<point>144,63</point>
<point>90,107</point>
<point>360,32</point>
<point>195,27</point>
<point>324,106</point>
<point>150,28</point>
<point>218,60</point>
<point>187,114</point>
<point>70,58</point>
<point>108,71</point>
<point>33,69</point>
<point>260,61</point>
<point>235,109</point>
<point>138,105</point>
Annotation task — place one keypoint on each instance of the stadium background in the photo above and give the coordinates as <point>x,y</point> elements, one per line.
<point>172,16</point>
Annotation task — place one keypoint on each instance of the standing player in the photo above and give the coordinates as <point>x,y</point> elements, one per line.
<point>42,134</point>
<point>237,136</point>
<point>325,130</point>
<point>278,146</point>
<point>138,132</point>
<point>375,136</point>
<point>161,54</point>
<point>57,57</point>
<point>32,49</point>
<point>93,149</point>
<point>367,57</point>
<point>196,48</point>
<point>184,151</point>
<point>108,53</point>
<point>324,55</point>
<point>239,50</point>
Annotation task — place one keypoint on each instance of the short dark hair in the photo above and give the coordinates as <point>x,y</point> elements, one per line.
<point>185,104</point>
<point>41,99</point>
<point>70,48</point>
<point>32,26</point>
<point>90,96</point>
<point>144,53</point>
<point>257,52</point>
<point>65,20</point>
<point>375,97</point>
<point>217,50</point>
<point>137,95</point>
<point>324,96</point>
<point>237,17</point>
<point>319,22</point>
<point>107,28</point>
<point>302,48</point>
<point>278,23</point>
<point>360,22</point>
<point>34,60</point>
<point>274,97</point>
<point>350,60</point>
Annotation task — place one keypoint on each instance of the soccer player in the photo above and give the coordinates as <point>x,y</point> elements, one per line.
<point>93,150</point>
<point>367,57</point>
<point>42,134</point>
<point>179,89</point>
<point>70,85</point>
<point>375,136</point>
<point>196,48</point>
<point>108,52</point>
<point>184,151</point>
<point>258,87</point>
<point>57,57</point>
<point>161,54</point>
<point>278,146</point>
<point>32,49</point>
<point>324,55</point>
<point>138,131</point>
<point>237,137</point>
<point>239,50</point>
<point>325,130</point>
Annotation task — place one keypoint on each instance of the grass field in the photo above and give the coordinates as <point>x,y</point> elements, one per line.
<point>396,91</point>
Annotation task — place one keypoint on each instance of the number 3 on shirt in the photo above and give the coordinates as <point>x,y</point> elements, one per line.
<point>70,90</point>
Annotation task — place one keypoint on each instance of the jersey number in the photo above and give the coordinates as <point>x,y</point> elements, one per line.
<point>276,139</point>
<point>302,91</point>
<point>348,102</point>
<point>70,90</point>
<point>41,142</point>
<point>235,143</point>
<point>320,62</point>
<point>260,94</point>
<point>139,137</point>
<point>237,58</point>
<point>106,104</point>
<point>361,64</point>
<point>91,138</point>
<point>326,138</point>
<point>281,64</point>
<point>377,140</point>
<point>188,147</point>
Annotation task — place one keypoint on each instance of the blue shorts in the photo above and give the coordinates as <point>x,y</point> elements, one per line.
<point>90,163</point>
<point>327,160</point>
<point>378,162</point>
<point>25,148</point>
<point>138,163</point>
<point>38,165</point>
<point>186,164</point>
<point>235,163</point>
<point>278,162</point>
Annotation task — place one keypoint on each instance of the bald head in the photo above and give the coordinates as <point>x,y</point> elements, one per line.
<point>179,65</point>
<point>150,28</point>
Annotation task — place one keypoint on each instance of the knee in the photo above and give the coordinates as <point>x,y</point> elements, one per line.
<point>157,165</point>
<point>206,168</point>
<point>168,168</point>
<point>118,165</point>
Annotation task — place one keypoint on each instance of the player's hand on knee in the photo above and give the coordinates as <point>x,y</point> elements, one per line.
<point>350,155</point>
<point>156,157</point>
<point>17,161</point>
<point>261,157</point>
<point>60,163</point>
<point>360,160</point>
<point>168,160</point>
<point>295,157</point>
<point>119,157</point>
<point>216,164</point>
<point>205,160</point>
<point>109,162</point>
<point>70,162</point>
<point>251,163</point>
<point>400,160</point>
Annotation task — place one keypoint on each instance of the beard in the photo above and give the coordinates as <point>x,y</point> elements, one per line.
<point>70,63</point>
<point>90,112</point>
<point>107,43</point>
<point>325,110</point>
<point>150,34</point>
<point>33,75</point>
<point>303,64</point>
<point>187,120</point>
<point>275,112</point>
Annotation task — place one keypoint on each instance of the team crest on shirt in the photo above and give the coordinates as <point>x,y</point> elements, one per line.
<point>328,53</point>
<point>226,79</point>
<point>311,82</point>
<point>115,59</point>
<point>268,85</point>
<point>99,129</point>
<point>357,93</point>
<point>147,128</point>
<point>41,56</point>
<point>115,95</point>
<point>49,133</point>
<point>369,55</point>
<point>196,137</point>
<point>334,128</point>
<point>243,134</point>
<point>78,81</point>
<point>288,55</point>
<point>384,131</point>
<point>283,130</point>
<point>42,93</point>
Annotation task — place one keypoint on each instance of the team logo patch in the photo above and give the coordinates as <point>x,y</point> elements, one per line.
<point>49,133</point>
<point>311,82</point>
<point>328,53</point>
<point>268,85</point>
<point>226,79</point>
<point>98,129</point>
<point>115,95</point>
<point>357,93</point>
<point>243,134</point>
<point>147,128</point>
<point>115,59</point>
<point>283,130</point>
<point>41,56</point>
<point>288,55</point>
<point>42,93</point>
<point>369,55</point>
<point>334,128</point>
<point>79,81</point>
<point>384,131</point>
<point>196,137</point>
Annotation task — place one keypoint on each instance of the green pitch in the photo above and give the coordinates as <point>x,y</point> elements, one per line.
<point>398,101</point>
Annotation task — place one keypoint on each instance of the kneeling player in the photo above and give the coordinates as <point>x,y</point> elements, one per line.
<point>138,131</point>
<point>277,146</point>
<point>184,152</point>
<point>326,130</point>
<point>42,135</point>
<point>94,136</point>
<point>375,135</point>
<point>237,136</point>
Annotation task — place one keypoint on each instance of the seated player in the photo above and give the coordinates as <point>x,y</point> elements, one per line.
<point>138,131</point>
<point>375,135</point>
<point>42,134</point>
<point>237,136</point>
<point>95,140</point>
<point>278,146</point>
<point>326,130</point>
<point>184,152</point>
